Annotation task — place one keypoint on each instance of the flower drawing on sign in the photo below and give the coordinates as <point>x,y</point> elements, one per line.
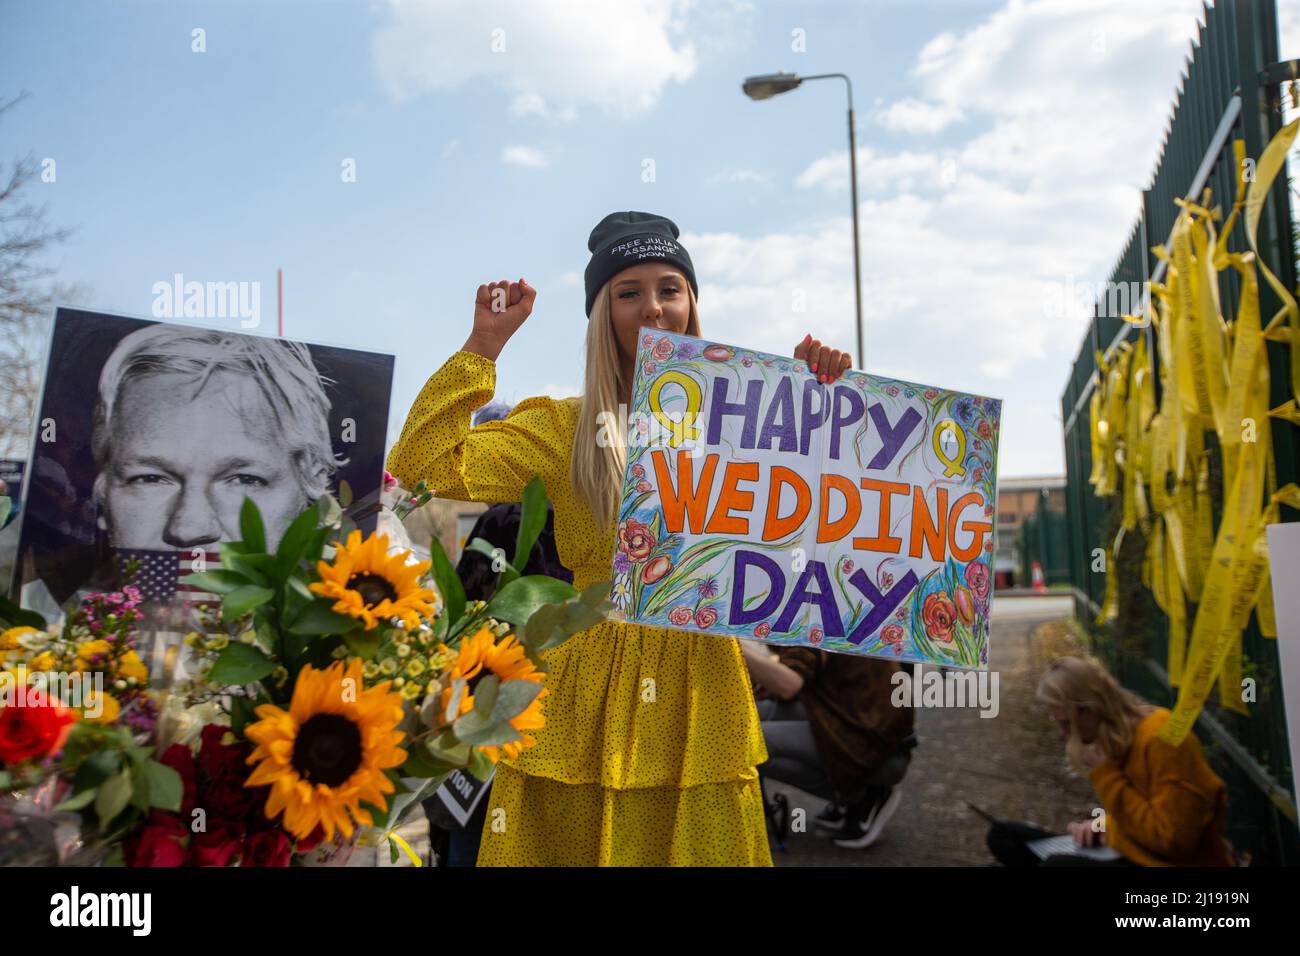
<point>977,577</point>
<point>621,593</point>
<point>719,353</point>
<point>636,540</point>
<point>681,615</point>
<point>763,630</point>
<point>708,588</point>
<point>663,349</point>
<point>656,568</point>
<point>938,615</point>
<point>706,617</point>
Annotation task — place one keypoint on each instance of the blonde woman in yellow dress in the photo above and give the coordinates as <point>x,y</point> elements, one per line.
<point>618,776</point>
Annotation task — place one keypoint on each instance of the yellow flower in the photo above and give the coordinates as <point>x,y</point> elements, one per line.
<point>131,666</point>
<point>327,753</point>
<point>372,585</point>
<point>412,690</point>
<point>480,655</point>
<point>91,648</point>
<point>415,667</point>
<point>107,705</point>
<point>44,661</point>
<point>9,639</point>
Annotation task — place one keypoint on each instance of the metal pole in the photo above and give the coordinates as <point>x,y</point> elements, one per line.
<point>857,256</point>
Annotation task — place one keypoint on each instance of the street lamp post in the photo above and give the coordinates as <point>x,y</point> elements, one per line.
<point>767,85</point>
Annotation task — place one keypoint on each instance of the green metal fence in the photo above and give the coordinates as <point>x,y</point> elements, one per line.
<point>1229,90</point>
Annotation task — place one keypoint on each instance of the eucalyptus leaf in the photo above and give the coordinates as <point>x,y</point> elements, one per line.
<point>485,693</point>
<point>76,801</point>
<point>480,731</point>
<point>165,786</point>
<point>516,602</point>
<point>513,698</point>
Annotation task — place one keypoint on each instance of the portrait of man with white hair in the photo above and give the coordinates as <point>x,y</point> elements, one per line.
<point>182,423</point>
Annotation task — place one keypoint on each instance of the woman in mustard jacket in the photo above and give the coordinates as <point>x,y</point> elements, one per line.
<point>617,776</point>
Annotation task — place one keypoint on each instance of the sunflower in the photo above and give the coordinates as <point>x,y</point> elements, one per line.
<point>327,753</point>
<point>481,655</point>
<point>370,584</point>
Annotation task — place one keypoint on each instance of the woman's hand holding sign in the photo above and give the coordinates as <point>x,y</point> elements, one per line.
<point>826,363</point>
<point>499,309</point>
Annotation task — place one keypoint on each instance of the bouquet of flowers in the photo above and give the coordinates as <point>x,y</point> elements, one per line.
<point>340,682</point>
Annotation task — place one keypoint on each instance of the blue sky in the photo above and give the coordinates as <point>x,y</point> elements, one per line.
<point>1001,147</point>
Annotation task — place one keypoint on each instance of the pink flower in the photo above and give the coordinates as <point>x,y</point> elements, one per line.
<point>681,615</point>
<point>965,605</point>
<point>746,361</point>
<point>719,353</point>
<point>815,635</point>
<point>847,565</point>
<point>939,617</point>
<point>892,634</point>
<point>977,576</point>
<point>984,430</point>
<point>706,617</point>
<point>647,340</point>
<point>763,630</point>
<point>643,486</point>
<point>389,481</point>
<point>663,349</point>
<point>887,580</point>
<point>638,471</point>
<point>979,473</point>
<point>931,394</point>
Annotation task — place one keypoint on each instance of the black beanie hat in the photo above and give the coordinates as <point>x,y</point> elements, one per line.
<point>623,239</point>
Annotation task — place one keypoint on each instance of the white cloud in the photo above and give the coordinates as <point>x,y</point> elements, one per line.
<point>742,177</point>
<point>572,280</point>
<point>916,116</point>
<point>524,156</point>
<point>559,391</point>
<point>532,104</point>
<point>556,57</point>
<point>451,147</point>
<point>970,248</point>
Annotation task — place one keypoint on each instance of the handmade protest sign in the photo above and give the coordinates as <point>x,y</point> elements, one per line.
<point>856,517</point>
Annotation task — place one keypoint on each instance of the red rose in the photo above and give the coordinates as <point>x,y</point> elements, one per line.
<point>938,615</point>
<point>215,847</point>
<point>643,486</point>
<point>680,615</point>
<point>706,617</point>
<point>638,471</point>
<point>984,431</point>
<point>892,634</point>
<point>815,635</point>
<point>763,630</point>
<point>663,349</point>
<point>656,569</point>
<point>36,728</point>
<point>216,759</point>
<point>635,539</point>
<point>179,758</point>
<point>313,839</point>
<point>268,848</point>
<point>226,798</point>
<point>160,842</point>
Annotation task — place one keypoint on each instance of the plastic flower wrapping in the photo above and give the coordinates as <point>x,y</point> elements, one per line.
<point>341,679</point>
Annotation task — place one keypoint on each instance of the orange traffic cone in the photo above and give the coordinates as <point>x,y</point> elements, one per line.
<point>1038,583</point>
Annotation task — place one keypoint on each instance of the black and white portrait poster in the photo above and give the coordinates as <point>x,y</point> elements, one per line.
<point>150,435</point>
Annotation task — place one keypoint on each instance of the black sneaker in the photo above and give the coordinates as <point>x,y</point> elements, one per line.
<point>864,825</point>
<point>831,819</point>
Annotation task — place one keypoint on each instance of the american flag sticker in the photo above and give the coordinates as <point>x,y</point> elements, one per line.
<point>158,574</point>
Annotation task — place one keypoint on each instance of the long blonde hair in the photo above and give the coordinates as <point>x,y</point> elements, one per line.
<point>600,443</point>
<point>1076,684</point>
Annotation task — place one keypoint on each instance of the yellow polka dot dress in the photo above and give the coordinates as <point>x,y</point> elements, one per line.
<point>652,738</point>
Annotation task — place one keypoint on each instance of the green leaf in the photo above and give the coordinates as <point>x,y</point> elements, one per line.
<point>447,749</point>
<point>421,763</point>
<point>96,768</point>
<point>480,765</point>
<point>485,694</point>
<point>113,796</point>
<point>516,601</point>
<point>220,581</point>
<point>320,618</point>
<point>294,543</point>
<point>11,615</point>
<point>493,554</point>
<point>449,586</point>
<point>482,731</point>
<point>513,698</point>
<point>299,587</point>
<point>240,664</point>
<point>76,801</point>
<point>165,786</point>
<point>242,711</point>
<point>244,599</point>
<point>251,528</point>
<point>258,568</point>
<point>330,510</point>
<point>364,644</point>
<point>458,686</point>
<point>532,520</point>
<point>392,850</point>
